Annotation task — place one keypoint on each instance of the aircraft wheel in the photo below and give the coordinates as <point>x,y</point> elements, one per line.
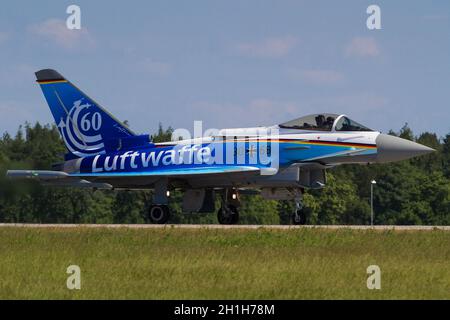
<point>228,215</point>
<point>299,217</point>
<point>159,214</point>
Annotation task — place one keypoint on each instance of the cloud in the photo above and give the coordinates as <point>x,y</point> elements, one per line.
<point>56,31</point>
<point>362,47</point>
<point>369,108</point>
<point>274,47</point>
<point>256,112</point>
<point>155,67</point>
<point>317,76</point>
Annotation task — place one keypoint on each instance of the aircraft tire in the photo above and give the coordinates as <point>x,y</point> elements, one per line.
<point>230,217</point>
<point>159,214</point>
<point>299,217</point>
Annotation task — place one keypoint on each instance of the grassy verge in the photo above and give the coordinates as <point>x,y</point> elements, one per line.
<point>223,264</point>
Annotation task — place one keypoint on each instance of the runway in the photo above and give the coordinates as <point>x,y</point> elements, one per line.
<point>218,226</point>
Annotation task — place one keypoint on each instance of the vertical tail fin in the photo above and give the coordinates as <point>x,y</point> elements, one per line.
<point>84,125</point>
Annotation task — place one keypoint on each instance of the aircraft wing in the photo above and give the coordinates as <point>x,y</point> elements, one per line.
<point>59,178</point>
<point>182,172</point>
<point>55,178</point>
<point>36,174</point>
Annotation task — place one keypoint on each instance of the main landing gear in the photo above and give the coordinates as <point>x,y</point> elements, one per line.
<point>228,215</point>
<point>228,212</point>
<point>159,212</point>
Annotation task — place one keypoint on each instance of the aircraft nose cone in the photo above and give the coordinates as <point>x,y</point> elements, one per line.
<point>391,148</point>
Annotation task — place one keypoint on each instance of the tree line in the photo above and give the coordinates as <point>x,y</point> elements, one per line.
<point>415,191</point>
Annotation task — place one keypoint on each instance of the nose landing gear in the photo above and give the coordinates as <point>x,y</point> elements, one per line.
<point>299,216</point>
<point>228,212</point>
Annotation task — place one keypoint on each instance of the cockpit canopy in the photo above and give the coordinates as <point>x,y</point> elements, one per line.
<point>324,122</point>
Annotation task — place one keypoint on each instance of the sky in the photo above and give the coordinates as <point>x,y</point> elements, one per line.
<point>232,63</point>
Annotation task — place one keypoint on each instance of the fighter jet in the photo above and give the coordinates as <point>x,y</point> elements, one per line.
<point>279,161</point>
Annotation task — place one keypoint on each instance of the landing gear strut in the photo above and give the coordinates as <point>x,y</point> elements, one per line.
<point>299,216</point>
<point>228,212</point>
<point>159,212</point>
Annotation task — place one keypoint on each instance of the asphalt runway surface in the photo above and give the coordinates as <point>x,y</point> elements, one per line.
<point>218,226</point>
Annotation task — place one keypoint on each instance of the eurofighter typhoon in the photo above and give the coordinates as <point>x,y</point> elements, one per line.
<point>278,161</point>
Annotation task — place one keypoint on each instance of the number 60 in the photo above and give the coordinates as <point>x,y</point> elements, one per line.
<point>95,122</point>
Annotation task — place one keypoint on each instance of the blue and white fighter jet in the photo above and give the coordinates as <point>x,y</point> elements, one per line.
<point>278,161</point>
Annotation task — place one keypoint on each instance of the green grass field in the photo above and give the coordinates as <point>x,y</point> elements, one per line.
<point>177,263</point>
